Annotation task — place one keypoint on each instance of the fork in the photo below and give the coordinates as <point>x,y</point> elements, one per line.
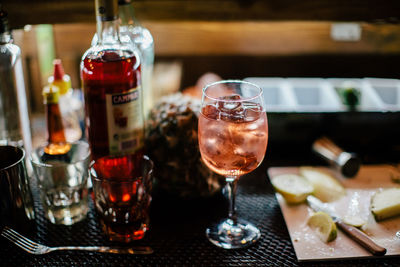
<point>38,249</point>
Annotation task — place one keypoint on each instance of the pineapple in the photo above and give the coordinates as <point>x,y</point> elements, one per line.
<point>171,142</point>
<point>386,203</point>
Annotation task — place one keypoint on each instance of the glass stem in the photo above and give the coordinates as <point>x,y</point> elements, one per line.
<point>231,185</point>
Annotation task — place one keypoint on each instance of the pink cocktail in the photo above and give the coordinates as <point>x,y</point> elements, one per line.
<point>233,136</point>
<point>230,146</point>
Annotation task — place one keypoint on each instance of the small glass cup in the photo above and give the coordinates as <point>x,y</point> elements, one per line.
<point>122,195</point>
<point>62,182</point>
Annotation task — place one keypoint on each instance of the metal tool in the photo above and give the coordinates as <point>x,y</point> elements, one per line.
<point>357,235</point>
<point>347,163</point>
<point>36,248</point>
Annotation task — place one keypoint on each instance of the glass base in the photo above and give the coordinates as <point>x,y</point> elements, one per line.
<point>67,215</point>
<point>228,235</point>
<point>122,232</point>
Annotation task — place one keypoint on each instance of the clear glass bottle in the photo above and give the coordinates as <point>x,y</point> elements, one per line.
<point>14,116</point>
<point>111,81</point>
<point>142,38</point>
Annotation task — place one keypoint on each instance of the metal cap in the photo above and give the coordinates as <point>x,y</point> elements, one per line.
<point>107,10</point>
<point>51,94</point>
<point>349,164</point>
<point>124,2</point>
<point>3,20</point>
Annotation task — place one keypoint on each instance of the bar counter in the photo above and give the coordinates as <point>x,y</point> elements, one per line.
<point>177,231</point>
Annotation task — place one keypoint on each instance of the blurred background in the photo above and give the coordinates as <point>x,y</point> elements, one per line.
<point>236,39</point>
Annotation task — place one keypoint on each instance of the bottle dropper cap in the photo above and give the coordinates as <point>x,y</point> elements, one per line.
<point>51,94</point>
<point>58,69</point>
<point>59,78</point>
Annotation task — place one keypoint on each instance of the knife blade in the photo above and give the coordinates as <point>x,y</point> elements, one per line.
<point>354,233</point>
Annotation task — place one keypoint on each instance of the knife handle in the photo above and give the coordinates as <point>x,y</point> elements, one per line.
<point>362,239</point>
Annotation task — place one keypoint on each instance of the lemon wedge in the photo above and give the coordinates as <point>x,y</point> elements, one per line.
<point>386,203</point>
<point>323,225</point>
<point>292,187</point>
<point>326,187</point>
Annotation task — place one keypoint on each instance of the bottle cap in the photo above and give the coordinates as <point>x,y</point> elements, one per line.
<point>107,10</point>
<point>58,69</point>
<point>59,78</point>
<point>349,164</point>
<point>124,2</point>
<point>51,94</point>
<point>3,20</point>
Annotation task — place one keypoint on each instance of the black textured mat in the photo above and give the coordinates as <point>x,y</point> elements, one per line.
<point>177,235</point>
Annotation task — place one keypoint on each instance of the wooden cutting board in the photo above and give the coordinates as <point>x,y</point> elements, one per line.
<point>359,190</point>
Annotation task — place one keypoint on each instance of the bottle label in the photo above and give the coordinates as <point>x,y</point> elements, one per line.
<point>125,122</point>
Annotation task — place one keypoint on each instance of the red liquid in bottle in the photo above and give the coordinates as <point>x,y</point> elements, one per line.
<point>116,74</point>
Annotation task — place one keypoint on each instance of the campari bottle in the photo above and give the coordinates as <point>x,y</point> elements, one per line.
<point>111,80</point>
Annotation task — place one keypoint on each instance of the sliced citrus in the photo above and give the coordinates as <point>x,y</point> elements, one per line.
<point>326,187</point>
<point>386,203</point>
<point>292,187</point>
<point>323,225</point>
<point>355,221</point>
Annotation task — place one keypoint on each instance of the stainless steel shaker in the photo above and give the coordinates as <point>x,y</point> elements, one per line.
<point>347,163</point>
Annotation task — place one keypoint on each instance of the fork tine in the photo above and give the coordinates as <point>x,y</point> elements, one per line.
<point>15,239</point>
<point>19,240</point>
<point>17,243</point>
<point>18,235</point>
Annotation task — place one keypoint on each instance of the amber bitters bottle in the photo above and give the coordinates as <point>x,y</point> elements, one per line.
<point>56,141</point>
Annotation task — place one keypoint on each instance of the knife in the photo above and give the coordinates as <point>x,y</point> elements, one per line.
<point>357,235</point>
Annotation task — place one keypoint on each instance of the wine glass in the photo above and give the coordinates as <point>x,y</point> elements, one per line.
<point>233,136</point>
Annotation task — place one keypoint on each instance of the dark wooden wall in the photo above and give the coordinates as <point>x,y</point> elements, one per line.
<point>242,38</point>
<point>233,38</point>
<point>70,11</point>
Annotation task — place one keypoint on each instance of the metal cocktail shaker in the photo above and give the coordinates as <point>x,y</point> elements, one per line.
<point>347,163</point>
